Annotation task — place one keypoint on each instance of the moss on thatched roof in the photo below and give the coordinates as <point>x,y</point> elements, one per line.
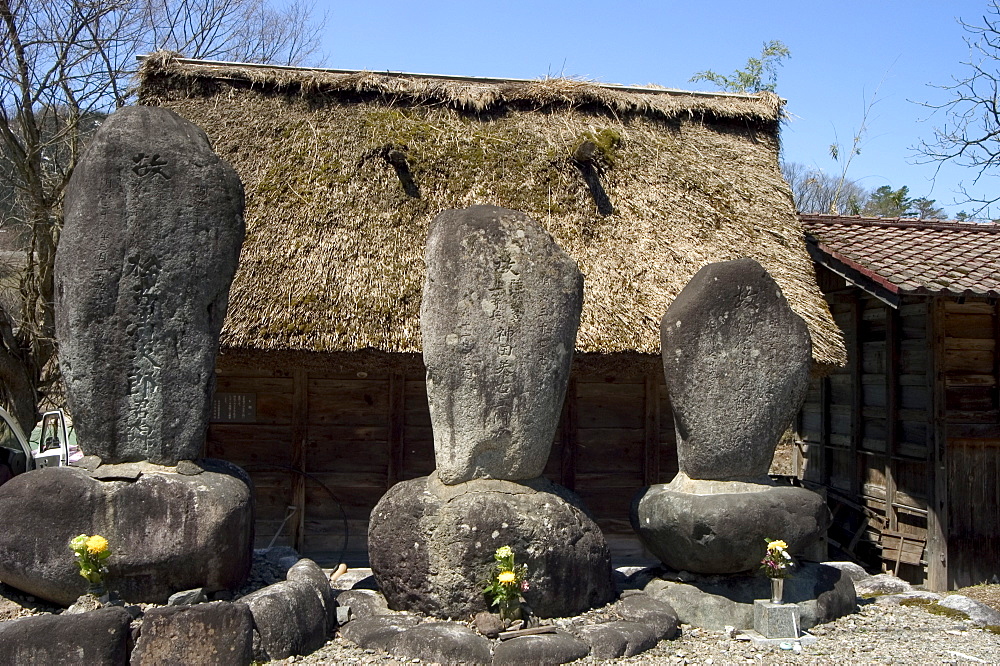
<point>345,170</point>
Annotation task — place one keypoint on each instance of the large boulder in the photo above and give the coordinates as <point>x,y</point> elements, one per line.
<point>737,362</point>
<point>97,637</point>
<point>718,527</point>
<point>200,635</point>
<point>431,546</point>
<point>152,234</point>
<point>499,315</point>
<point>167,532</point>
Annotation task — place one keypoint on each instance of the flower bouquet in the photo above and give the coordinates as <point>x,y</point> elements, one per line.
<point>506,584</point>
<point>91,552</point>
<point>776,565</point>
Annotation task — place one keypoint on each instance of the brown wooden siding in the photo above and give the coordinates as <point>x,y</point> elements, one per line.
<point>329,443</point>
<point>970,380</point>
<point>893,437</point>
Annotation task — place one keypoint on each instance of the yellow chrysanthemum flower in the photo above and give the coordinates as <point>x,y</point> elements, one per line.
<point>97,544</point>
<point>777,544</point>
<point>507,577</point>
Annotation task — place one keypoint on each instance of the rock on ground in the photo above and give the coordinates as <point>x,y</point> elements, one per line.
<point>206,634</point>
<point>293,616</point>
<point>97,637</point>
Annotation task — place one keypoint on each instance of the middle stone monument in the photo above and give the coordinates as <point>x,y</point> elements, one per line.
<point>499,316</point>
<point>737,363</point>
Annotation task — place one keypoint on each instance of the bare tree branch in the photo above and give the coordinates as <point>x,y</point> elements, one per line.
<point>64,65</point>
<point>970,136</point>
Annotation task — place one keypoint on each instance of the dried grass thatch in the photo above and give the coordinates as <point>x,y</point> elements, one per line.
<point>345,170</point>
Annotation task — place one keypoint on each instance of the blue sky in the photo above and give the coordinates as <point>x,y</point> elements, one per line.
<point>840,54</point>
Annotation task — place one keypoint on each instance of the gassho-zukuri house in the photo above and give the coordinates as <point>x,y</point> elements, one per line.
<point>320,392</point>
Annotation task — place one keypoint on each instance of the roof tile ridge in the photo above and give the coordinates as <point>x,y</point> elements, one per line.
<point>898,222</point>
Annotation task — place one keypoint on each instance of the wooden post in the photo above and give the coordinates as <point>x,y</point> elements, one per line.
<point>567,472</point>
<point>891,413</point>
<point>996,359</point>
<point>300,416</point>
<point>397,398</point>
<point>857,394</point>
<point>937,459</point>
<point>820,461</point>
<point>651,466</point>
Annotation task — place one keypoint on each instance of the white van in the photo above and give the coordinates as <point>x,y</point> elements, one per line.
<point>49,446</point>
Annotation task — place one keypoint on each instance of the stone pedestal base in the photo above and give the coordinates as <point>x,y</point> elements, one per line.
<point>772,620</point>
<point>431,546</point>
<point>719,527</point>
<point>168,530</point>
<point>820,592</point>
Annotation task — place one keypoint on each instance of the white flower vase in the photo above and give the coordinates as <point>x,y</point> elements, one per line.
<point>777,590</point>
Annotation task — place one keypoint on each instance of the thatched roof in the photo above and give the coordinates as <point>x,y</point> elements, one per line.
<point>345,170</point>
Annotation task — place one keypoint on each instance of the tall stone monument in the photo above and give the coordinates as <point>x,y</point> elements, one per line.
<point>151,239</point>
<point>737,363</point>
<point>499,316</point>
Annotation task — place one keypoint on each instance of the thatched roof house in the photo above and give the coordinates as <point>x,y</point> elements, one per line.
<point>344,171</point>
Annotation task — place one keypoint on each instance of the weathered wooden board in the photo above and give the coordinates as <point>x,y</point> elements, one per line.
<point>969,326</point>
<point>898,547</point>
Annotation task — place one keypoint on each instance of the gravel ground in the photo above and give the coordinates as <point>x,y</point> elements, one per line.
<point>880,633</point>
<point>877,634</point>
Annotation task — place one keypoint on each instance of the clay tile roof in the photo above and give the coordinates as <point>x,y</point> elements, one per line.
<point>911,256</point>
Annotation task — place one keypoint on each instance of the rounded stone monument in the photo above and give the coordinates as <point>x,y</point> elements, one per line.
<point>737,363</point>
<point>151,239</point>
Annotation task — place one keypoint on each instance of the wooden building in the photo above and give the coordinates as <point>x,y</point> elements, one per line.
<point>321,391</point>
<point>906,438</point>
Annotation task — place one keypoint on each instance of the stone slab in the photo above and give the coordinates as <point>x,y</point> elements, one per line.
<point>149,246</point>
<point>737,362</point>
<point>499,316</point>
<point>715,602</point>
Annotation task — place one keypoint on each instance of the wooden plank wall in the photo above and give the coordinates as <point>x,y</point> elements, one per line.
<point>329,443</point>
<point>971,381</point>
<point>908,435</point>
<point>866,431</point>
